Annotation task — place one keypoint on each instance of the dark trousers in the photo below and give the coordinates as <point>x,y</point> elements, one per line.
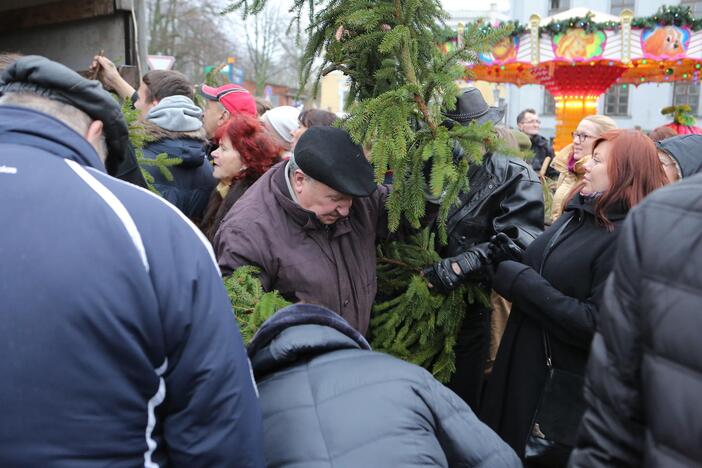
<point>472,350</point>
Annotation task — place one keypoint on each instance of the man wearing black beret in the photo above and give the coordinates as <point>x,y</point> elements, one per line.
<point>311,225</point>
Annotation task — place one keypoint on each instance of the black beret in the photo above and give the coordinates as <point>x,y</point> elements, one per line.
<point>328,154</point>
<point>41,76</point>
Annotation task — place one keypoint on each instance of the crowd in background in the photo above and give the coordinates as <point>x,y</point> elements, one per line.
<point>119,342</point>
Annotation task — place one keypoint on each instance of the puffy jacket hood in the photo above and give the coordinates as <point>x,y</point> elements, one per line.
<point>297,331</point>
<point>23,126</point>
<point>686,150</point>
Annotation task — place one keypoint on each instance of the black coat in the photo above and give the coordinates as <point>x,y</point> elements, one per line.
<point>644,378</point>
<point>505,195</point>
<point>542,149</point>
<point>328,401</point>
<point>564,301</point>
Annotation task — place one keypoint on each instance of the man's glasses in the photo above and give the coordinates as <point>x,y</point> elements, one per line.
<point>580,137</point>
<point>531,122</point>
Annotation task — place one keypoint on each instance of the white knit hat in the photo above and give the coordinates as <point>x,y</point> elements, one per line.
<point>284,121</point>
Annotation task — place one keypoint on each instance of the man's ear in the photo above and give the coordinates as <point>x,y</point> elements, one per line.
<point>224,116</point>
<point>94,136</point>
<point>298,178</point>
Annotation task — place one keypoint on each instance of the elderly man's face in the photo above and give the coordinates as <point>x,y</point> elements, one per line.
<point>325,202</point>
<point>214,115</point>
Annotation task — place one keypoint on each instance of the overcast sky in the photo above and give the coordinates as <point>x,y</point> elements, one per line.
<point>473,4</point>
<point>448,4</point>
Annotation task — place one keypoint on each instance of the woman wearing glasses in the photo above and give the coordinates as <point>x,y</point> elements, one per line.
<point>556,290</point>
<point>570,160</point>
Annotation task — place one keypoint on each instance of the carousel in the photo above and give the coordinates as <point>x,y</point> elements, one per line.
<point>578,54</point>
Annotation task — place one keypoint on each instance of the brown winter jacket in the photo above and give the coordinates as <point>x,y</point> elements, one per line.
<point>305,260</point>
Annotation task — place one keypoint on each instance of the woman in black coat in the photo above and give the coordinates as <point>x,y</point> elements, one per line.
<point>557,288</point>
<point>245,152</point>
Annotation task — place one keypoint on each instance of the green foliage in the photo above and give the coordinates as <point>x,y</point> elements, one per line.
<point>251,304</point>
<point>138,138</point>
<point>400,81</point>
<point>682,114</point>
<point>412,322</point>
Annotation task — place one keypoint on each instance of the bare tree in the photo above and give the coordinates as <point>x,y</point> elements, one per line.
<point>193,32</point>
<point>264,37</point>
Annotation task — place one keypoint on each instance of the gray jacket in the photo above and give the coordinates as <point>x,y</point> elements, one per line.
<point>328,400</point>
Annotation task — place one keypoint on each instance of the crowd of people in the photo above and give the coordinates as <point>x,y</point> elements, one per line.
<point>118,340</point>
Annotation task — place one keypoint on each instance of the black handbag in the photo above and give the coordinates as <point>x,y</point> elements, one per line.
<point>561,406</point>
<point>557,417</point>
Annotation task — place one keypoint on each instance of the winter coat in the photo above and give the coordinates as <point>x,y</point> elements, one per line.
<point>505,195</point>
<point>563,300</point>
<point>218,207</point>
<point>566,181</point>
<point>192,179</point>
<point>328,401</point>
<point>118,343</point>
<point>644,378</point>
<point>305,260</point>
<point>686,151</point>
<point>542,149</point>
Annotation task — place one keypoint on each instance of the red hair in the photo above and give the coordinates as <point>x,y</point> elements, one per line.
<point>258,151</point>
<point>633,169</point>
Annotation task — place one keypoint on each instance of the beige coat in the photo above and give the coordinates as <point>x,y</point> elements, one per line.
<point>567,180</point>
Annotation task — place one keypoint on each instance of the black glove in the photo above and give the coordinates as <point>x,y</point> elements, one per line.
<point>471,263</point>
<point>503,248</point>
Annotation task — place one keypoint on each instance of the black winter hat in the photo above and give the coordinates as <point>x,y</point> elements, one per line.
<point>38,75</point>
<point>328,154</point>
<point>471,107</point>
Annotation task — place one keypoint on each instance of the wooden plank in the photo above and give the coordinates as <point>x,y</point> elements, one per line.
<point>52,13</point>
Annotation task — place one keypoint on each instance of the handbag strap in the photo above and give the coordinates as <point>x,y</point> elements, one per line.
<point>547,250</point>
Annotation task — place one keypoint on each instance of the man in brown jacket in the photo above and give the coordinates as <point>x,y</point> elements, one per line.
<point>311,225</point>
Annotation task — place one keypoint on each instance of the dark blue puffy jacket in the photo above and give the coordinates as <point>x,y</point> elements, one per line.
<point>192,179</point>
<point>117,343</point>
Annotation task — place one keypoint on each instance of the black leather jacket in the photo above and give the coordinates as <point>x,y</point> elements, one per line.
<point>505,195</point>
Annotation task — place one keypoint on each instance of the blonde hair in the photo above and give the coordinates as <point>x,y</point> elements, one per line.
<point>602,123</point>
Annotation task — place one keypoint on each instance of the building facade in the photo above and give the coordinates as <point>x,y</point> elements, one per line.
<point>629,106</point>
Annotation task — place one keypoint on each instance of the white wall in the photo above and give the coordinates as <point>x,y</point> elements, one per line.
<point>645,101</point>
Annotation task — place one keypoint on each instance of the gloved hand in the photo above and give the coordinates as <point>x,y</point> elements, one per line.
<point>503,248</point>
<point>451,272</point>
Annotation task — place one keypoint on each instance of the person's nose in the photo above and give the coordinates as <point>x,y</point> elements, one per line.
<point>343,208</point>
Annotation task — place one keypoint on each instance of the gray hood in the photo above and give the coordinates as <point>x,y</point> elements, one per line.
<point>686,150</point>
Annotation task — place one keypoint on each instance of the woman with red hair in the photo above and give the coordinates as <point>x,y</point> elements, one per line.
<point>245,152</point>
<point>556,289</point>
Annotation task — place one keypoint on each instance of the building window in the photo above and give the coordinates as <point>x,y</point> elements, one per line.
<point>695,6</point>
<point>617,101</point>
<point>549,104</point>
<point>687,93</point>
<point>556,6</point>
<point>616,6</point>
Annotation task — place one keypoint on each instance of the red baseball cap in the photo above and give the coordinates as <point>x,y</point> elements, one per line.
<point>234,98</point>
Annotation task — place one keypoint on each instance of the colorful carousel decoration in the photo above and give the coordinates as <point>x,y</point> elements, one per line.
<point>578,54</point>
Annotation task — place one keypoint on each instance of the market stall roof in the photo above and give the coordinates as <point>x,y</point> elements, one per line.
<point>622,49</point>
<point>577,12</point>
